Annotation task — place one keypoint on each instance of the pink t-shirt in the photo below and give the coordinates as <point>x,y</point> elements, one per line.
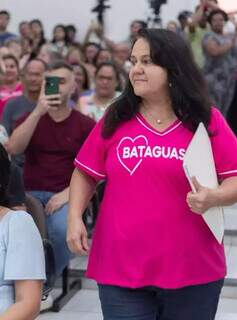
<point>7,93</point>
<point>146,234</point>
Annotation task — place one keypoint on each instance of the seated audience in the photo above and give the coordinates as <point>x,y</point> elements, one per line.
<point>50,136</point>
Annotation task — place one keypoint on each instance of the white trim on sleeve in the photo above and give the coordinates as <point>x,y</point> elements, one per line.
<point>228,172</point>
<point>91,170</point>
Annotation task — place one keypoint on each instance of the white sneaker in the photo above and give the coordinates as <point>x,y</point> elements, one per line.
<point>46,302</point>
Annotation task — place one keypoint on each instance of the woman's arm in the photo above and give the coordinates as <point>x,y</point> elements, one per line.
<point>82,188</point>
<point>206,198</point>
<point>27,301</point>
<point>214,49</point>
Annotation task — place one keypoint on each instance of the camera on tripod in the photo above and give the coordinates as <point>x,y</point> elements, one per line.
<point>100,9</point>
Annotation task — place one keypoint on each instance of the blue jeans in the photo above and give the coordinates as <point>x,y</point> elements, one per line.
<point>56,225</point>
<point>152,303</point>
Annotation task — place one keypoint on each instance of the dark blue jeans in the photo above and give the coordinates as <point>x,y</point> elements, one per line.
<point>151,303</point>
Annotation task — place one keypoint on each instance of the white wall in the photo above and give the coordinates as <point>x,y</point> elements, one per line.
<point>118,18</point>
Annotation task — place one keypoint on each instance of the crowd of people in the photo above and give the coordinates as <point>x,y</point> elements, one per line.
<point>154,81</point>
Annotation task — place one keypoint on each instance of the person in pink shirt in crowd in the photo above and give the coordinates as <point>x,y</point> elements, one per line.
<point>153,256</point>
<point>11,86</point>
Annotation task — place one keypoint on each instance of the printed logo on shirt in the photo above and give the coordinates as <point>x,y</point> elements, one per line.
<point>132,151</point>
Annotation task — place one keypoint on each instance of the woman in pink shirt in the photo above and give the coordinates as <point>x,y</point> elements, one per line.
<point>11,86</point>
<point>153,256</point>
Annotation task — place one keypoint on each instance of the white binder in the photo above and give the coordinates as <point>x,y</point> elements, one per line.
<point>199,162</point>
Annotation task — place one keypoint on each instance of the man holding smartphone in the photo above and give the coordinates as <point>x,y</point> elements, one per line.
<point>50,137</point>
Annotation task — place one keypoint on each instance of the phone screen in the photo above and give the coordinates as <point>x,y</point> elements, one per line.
<point>52,85</point>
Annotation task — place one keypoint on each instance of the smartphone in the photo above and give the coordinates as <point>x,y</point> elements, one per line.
<point>52,85</point>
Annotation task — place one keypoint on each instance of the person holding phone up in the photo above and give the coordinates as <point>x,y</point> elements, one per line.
<point>50,137</point>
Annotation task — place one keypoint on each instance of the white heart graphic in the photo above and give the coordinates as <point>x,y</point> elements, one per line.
<point>131,169</point>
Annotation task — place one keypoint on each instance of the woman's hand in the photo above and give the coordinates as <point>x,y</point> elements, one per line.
<point>202,200</point>
<point>77,236</point>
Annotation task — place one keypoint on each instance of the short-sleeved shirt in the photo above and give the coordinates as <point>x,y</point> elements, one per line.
<point>145,233</point>
<point>6,36</point>
<point>89,108</point>
<point>53,146</point>
<point>21,254</point>
<point>8,93</point>
<point>13,110</point>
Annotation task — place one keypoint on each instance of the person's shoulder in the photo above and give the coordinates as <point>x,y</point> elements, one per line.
<point>208,34</point>
<point>16,219</point>
<point>20,223</point>
<point>216,113</point>
<point>20,218</point>
<point>82,117</point>
<point>84,100</point>
<point>217,120</point>
<point>13,102</point>
<point>8,34</point>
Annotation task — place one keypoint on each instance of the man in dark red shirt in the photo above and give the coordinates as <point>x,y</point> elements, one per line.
<point>50,136</point>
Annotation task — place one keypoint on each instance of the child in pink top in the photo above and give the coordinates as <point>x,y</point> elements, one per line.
<point>150,235</point>
<point>10,86</point>
<point>7,93</point>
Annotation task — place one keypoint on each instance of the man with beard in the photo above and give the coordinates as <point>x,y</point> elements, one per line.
<point>50,137</point>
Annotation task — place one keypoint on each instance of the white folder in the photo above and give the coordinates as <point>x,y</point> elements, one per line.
<point>199,162</point>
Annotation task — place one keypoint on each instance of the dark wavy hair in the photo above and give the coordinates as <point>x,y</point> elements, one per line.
<point>42,36</point>
<point>188,91</point>
<point>61,26</point>
<point>4,177</point>
<point>217,11</point>
<point>86,84</point>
